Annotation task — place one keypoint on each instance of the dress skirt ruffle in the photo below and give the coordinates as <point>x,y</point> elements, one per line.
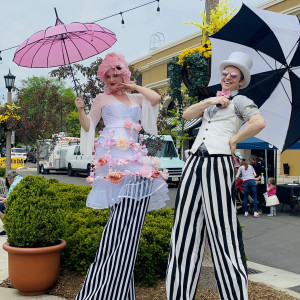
<point>106,194</point>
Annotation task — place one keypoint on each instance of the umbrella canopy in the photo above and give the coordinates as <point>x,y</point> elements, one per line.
<point>272,40</point>
<point>63,44</point>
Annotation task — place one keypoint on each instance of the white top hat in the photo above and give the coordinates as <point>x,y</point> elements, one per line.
<point>242,61</point>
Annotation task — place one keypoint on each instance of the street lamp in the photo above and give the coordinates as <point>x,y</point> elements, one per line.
<point>9,83</point>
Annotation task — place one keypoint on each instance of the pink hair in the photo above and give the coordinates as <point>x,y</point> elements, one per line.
<point>118,63</point>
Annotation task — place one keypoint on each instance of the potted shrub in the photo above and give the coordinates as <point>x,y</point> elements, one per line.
<point>34,222</point>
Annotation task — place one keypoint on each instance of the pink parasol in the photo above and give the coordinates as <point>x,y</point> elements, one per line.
<point>63,44</point>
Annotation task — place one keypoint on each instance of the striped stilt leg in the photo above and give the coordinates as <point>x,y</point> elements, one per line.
<point>206,191</point>
<point>188,235</point>
<point>110,276</point>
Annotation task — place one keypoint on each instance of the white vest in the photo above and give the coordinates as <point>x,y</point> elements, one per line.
<point>216,132</point>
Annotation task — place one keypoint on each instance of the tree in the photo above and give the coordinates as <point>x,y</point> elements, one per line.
<point>88,88</point>
<point>45,104</point>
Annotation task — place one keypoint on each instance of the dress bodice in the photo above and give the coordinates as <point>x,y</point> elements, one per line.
<point>115,114</point>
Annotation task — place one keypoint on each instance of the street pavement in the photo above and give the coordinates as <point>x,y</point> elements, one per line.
<point>272,245</point>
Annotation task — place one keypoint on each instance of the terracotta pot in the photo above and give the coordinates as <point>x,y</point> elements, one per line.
<point>204,92</point>
<point>32,271</point>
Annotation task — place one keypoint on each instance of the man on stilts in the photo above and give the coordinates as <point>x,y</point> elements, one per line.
<point>205,203</point>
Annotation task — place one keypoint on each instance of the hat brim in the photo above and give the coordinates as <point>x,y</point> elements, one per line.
<point>241,67</point>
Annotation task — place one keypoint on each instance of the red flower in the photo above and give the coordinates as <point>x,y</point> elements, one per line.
<point>115,177</point>
<point>155,174</point>
<point>102,161</point>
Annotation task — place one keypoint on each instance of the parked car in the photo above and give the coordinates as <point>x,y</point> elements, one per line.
<point>19,152</point>
<point>31,154</point>
<point>3,152</point>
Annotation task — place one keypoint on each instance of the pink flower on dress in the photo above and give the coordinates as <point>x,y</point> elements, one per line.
<point>165,174</point>
<point>137,127</point>
<point>122,143</point>
<point>102,161</point>
<point>156,163</point>
<point>115,177</point>
<point>89,180</point>
<point>146,171</point>
<point>155,174</point>
<point>128,124</point>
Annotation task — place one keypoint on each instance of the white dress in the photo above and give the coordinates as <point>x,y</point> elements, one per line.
<point>122,167</point>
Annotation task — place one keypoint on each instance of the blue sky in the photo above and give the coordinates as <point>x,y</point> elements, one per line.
<point>20,19</point>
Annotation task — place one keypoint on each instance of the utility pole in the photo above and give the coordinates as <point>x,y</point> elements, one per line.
<point>209,5</point>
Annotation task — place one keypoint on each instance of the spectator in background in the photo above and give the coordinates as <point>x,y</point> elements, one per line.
<point>257,166</point>
<point>12,179</point>
<point>249,184</point>
<point>237,158</point>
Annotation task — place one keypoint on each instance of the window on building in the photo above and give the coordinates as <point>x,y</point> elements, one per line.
<point>168,70</point>
<point>139,80</point>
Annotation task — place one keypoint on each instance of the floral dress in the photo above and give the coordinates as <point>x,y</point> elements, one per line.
<point>122,168</point>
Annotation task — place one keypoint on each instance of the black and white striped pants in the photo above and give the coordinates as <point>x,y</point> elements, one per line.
<point>205,205</point>
<point>110,276</point>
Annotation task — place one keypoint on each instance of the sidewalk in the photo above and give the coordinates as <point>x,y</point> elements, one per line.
<point>281,280</point>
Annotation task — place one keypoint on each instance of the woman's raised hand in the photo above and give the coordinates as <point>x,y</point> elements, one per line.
<point>79,103</point>
<point>128,87</point>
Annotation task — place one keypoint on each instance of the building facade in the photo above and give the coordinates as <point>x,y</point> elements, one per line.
<point>154,74</point>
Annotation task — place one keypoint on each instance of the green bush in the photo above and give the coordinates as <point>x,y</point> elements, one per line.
<point>2,172</point>
<point>36,206</point>
<point>83,234</point>
<point>33,214</point>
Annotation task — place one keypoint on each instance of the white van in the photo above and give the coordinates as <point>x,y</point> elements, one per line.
<point>169,159</point>
<point>76,161</point>
<point>52,155</point>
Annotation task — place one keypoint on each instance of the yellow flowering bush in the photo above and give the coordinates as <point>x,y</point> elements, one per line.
<point>218,18</point>
<point>193,64</point>
<point>9,116</point>
<point>204,50</point>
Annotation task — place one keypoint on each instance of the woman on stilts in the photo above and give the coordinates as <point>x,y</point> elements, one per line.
<point>124,178</point>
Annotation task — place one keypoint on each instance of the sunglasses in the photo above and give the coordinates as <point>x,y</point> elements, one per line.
<point>232,74</point>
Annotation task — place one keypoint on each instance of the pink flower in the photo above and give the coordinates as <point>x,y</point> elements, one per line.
<point>146,171</point>
<point>102,161</point>
<point>155,174</point>
<point>156,163</point>
<point>89,180</point>
<point>128,124</point>
<point>115,177</point>
<point>165,174</point>
<point>137,127</point>
<point>122,143</point>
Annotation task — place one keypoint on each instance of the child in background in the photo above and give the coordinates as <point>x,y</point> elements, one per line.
<point>272,199</point>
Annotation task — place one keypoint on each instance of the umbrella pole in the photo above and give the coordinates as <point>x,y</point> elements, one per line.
<point>266,166</point>
<point>275,165</point>
<point>76,89</point>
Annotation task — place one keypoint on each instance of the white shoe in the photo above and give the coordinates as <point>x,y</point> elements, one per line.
<point>246,214</point>
<point>269,215</point>
<point>256,215</point>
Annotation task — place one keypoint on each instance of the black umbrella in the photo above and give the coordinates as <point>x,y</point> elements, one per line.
<point>272,40</point>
